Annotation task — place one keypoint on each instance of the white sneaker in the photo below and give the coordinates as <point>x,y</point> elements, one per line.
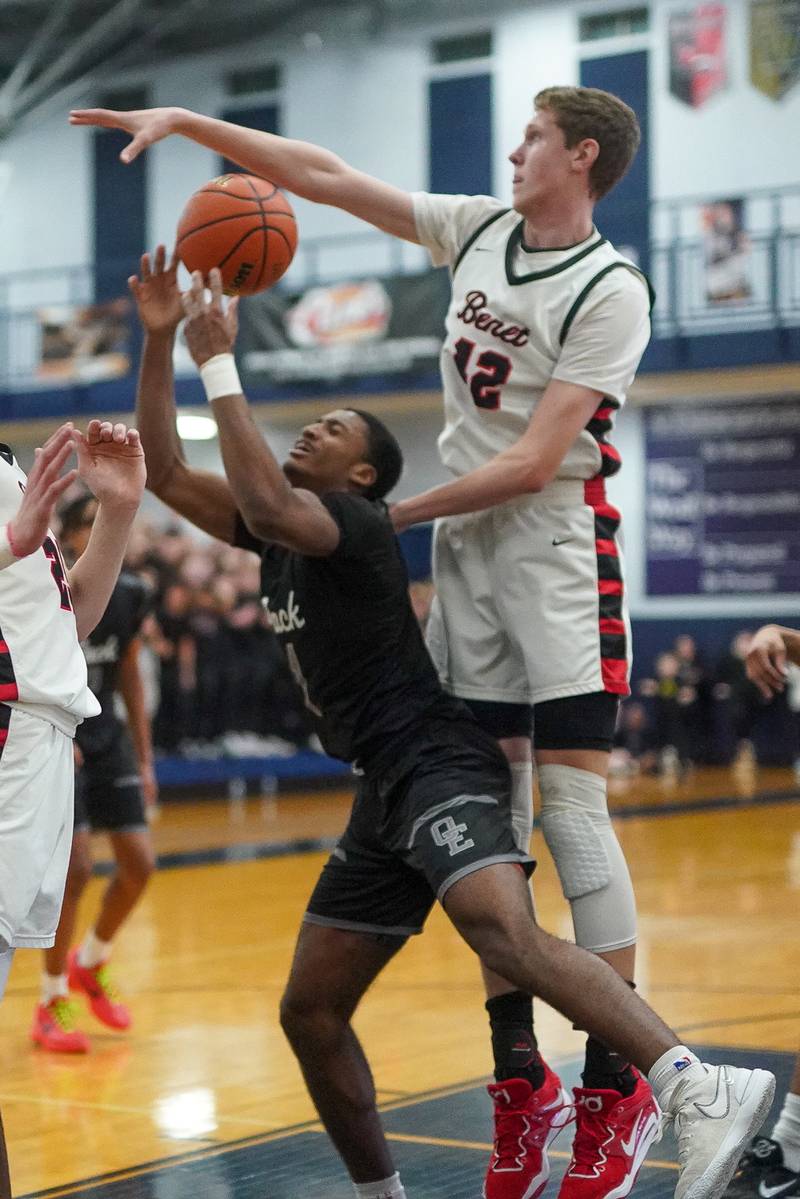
<point>716,1114</point>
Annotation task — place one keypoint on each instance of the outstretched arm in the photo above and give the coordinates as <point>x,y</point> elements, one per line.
<point>111,464</point>
<point>24,534</point>
<point>272,509</point>
<point>203,498</point>
<point>306,170</point>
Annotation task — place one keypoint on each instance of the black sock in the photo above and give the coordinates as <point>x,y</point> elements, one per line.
<point>515,1049</point>
<point>605,1070</point>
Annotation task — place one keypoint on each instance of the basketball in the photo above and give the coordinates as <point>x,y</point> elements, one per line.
<point>243,225</point>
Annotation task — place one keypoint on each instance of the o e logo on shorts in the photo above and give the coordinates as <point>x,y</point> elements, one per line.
<point>447,832</point>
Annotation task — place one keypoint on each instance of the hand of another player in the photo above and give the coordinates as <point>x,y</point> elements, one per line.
<point>156,292</point>
<point>44,488</point>
<point>111,463</point>
<point>399,519</point>
<point>146,125</point>
<point>766,661</point>
<point>210,328</point>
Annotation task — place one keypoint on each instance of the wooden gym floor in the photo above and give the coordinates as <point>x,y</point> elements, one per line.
<point>203,1098</point>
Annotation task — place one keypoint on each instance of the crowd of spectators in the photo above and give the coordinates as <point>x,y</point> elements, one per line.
<point>693,712</point>
<point>219,684</point>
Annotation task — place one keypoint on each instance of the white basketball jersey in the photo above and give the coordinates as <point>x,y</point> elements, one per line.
<point>520,317</point>
<point>42,667</point>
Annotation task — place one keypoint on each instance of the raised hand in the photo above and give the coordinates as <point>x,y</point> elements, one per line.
<point>210,328</point>
<point>156,292</point>
<point>111,463</point>
<point>766,661</point>
<point>44,488</point>
<point>145,125</point>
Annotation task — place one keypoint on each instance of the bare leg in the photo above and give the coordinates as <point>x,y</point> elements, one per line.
<point>493,912</point>
<point>135,859</point>
<point>331,971</point>
<point>794,1085</point>
<point>78,874</point>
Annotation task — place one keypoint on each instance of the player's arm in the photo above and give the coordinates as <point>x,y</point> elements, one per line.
<point>600,357</point>
<point>771,648</point>
<point>526,467</point>
<point>131,688</point>
<point>202,497</point>
<point>111,464</point>
<point>26,531</point>
<point>271,508</point>
<point>302,168</point>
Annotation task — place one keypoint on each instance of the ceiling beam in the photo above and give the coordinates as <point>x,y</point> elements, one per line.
<point>29,60</point>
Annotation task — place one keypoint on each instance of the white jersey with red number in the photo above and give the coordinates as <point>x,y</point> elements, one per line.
<point>520,317</point>
<point>42,667</point>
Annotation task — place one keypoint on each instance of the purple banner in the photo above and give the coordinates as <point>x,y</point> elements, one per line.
<point>723,499</point>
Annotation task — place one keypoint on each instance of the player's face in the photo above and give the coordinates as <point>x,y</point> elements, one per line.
<point>78,538</point>
<point>329,454</point>
<point>542,163</point>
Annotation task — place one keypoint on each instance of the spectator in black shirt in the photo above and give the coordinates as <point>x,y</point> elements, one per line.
<point>432,813</point>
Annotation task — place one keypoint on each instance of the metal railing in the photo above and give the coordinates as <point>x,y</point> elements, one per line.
<point>764,282</point>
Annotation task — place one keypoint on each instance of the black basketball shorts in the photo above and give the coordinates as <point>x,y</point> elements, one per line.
<point>108,793</point>
<point>441,814</point>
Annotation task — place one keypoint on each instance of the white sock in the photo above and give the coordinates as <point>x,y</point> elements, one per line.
<point>389,1188</point>
<point>93,951</point>
<point>53,986</point>
<point>670,1068</point>
<point>787,1132</point>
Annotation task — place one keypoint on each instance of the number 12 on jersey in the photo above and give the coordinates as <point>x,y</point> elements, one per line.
<point>485,382</point>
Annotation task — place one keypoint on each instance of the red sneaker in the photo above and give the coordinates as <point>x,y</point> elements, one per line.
<point>96,985</point>
<point>612,1136</point>
<point>525,1122</point>
<point>54,1027</point>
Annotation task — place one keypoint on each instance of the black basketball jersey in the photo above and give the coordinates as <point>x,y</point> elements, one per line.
<point>104,648</point>
<point>347,628</point>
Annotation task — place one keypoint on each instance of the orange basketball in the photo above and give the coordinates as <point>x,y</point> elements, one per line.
<point>243,225</point>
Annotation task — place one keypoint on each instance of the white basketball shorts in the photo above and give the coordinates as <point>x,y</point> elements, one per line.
<point>36,808</point>
<point>530,600</point>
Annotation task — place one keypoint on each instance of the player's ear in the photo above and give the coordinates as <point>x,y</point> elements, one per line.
<point>363,475</point>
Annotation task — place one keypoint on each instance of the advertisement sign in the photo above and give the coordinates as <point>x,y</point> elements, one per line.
<point>723,499</point>
<point>344,330</point>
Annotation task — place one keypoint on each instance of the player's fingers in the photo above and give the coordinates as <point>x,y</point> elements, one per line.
<point>52,469</point>
<point>132,438</point>
<point>93,431</point>
<point>144,267</point>
<point>173,260</point>
<point>105,431</point>
<point>57,489</point>
<point>107,118</point>
<point>233,311</point>
<point>134,148</point>
<point>119,433</point>
<point>133,286</point>
<point>159,259</point>
<point>61,434</point>
<point>215,287</point>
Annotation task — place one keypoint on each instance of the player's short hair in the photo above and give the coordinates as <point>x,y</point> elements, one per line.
<point>384,453</point>
<point>73,515</point>
<point>590,112</point>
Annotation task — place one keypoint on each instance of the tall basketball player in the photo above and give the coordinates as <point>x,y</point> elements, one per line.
<point>44,695</point>
<point>545,330</point>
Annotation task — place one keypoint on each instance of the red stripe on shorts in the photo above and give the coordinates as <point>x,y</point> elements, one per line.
<point>609,624</point>
<point>615,675</point>
<point>614,671</point>
<point>8,691</point>
<point>607,547</point>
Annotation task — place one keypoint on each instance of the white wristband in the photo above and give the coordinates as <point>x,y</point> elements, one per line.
<point>7,555</point>
<point>220,377</point>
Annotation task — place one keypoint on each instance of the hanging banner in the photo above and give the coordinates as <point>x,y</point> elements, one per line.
<point>774,46</point>
<point>723,498</point>
<point>384,326</point>
<point>697,53</point>
<point>728,263</point>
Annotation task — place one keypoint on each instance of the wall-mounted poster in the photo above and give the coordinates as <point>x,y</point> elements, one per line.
<point>697,53</point>
<point>728,265</point>
<point>774,46</point>
<point>723,498</point>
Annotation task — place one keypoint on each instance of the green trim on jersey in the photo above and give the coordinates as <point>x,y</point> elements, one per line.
<point>613,266</point>
<point>515,241</point>
<point>473,237</point>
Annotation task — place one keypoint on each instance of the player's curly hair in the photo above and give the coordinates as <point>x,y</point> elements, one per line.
<point>73,515</point>
<point>384,453</point>
<point>590,112</point>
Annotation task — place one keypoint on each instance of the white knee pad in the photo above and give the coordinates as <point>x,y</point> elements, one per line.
<point>590,862</point>
<point>522,804</point>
